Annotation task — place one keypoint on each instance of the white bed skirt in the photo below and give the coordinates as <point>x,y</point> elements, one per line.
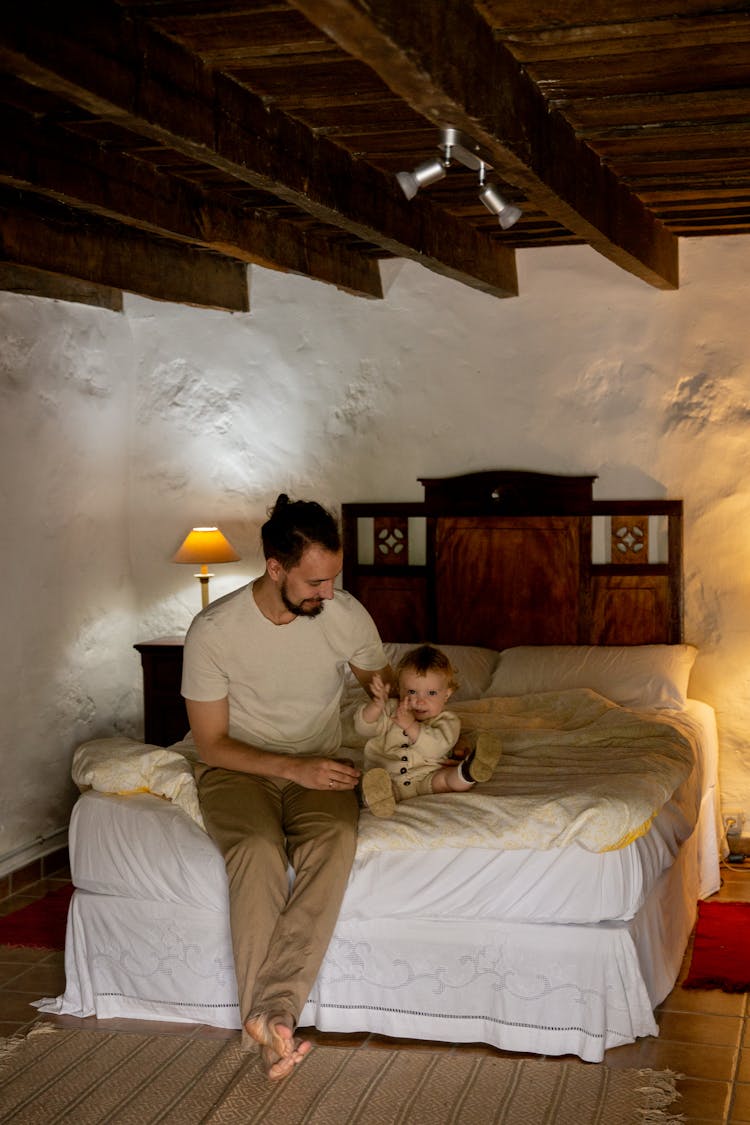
<point>542,988</point>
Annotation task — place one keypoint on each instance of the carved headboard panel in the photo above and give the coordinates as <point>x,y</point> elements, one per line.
<point>507,557</point>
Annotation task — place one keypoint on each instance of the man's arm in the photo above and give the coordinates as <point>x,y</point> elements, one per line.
<point>366,676</point>
<point>209,723</point>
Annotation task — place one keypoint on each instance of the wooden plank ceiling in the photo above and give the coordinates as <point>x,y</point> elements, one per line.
<point>159,146</point>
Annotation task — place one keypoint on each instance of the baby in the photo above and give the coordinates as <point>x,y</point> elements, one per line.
<point>410,739</point>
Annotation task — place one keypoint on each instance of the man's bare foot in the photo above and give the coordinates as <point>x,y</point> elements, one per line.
<point>280,1051</point>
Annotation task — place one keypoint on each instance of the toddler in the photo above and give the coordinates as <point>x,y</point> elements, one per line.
<point>410,739</point>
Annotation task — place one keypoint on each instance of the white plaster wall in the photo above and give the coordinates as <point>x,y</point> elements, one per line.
<point>67,594</point>
<point>323,395</point>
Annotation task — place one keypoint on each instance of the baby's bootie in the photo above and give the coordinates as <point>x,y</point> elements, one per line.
<point>481,762</point>
<point>377,792</point>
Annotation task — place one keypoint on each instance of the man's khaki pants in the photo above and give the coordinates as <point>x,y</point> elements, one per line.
<point>261,826</point>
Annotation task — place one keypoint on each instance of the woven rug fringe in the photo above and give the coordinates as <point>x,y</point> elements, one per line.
<point>8,1048</point>
<point>659,1093</point>
<point>43,1029</point>
<point>659,1117</point>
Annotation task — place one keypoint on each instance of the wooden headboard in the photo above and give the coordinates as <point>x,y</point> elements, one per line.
<point>507,557</point>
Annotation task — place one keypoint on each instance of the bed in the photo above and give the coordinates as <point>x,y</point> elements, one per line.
<point>547,911</point>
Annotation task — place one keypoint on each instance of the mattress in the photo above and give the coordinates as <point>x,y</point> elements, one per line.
<point>113,842</point>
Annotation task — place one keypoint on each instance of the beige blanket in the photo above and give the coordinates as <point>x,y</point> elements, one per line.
<point>575,768</point>
<point>123,766</point>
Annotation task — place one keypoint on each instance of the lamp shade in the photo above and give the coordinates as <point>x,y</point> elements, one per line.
<point>205,545</point>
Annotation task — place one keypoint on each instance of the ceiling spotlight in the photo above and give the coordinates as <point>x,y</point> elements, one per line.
<point>457,146</point>
<point>506,213</point>
<point>423,175</point>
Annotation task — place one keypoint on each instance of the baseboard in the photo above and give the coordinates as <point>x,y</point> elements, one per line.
<point>37,861</point>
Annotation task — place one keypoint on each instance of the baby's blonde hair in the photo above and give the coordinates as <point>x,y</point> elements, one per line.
<point>427,658</point>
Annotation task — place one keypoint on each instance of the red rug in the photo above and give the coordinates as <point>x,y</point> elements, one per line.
<point>40,925</point>
<point>721,953</point>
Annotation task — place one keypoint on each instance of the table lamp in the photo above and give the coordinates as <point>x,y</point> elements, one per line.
<point>201,546</point>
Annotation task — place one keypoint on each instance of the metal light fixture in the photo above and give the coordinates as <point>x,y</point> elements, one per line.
<point>430,171</point>
<point>423,175</point>
<point>507,213</point>
<point>455,145</point>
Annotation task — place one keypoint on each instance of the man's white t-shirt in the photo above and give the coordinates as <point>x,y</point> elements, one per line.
<point>283,682</point>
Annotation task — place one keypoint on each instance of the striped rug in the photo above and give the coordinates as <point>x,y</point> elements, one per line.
<point>91,1077</point>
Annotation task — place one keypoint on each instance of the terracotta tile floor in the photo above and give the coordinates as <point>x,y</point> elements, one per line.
<point>703,1035</point>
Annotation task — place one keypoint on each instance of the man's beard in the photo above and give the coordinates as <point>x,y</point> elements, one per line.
<point>310,607</point>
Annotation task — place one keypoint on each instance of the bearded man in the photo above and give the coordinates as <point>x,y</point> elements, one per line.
<point>263,675</point>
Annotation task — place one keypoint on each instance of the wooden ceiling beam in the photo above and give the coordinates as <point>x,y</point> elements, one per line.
<point>633,37</point>
<point>122,70</point>
<point>647,109</point>
<point>73,169</point>
<point>445,62</point>
<point>39,283</point>
<point>60,240</point>
<point>534,15</point>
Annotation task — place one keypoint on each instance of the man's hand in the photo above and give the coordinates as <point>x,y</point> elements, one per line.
<point>323,773</point>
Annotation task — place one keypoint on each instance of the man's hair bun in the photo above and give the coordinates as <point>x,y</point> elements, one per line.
<point>293,526</point>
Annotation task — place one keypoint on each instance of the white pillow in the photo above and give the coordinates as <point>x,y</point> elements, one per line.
<point>473,666</point>
<point>637,676</point>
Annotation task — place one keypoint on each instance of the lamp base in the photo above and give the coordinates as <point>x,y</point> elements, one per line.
<point>203,578</point>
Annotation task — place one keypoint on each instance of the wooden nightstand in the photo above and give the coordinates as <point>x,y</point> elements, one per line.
<point>164,715</point>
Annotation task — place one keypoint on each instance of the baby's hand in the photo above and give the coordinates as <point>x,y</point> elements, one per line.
<point>379,689</point>
<point>375,705</point>
<point>403,715</point>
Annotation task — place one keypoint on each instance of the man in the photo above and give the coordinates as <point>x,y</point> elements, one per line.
<point>263,673</point>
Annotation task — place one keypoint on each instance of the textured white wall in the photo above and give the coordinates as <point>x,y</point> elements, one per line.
<point>323,395</point>
<point>67,597</point>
